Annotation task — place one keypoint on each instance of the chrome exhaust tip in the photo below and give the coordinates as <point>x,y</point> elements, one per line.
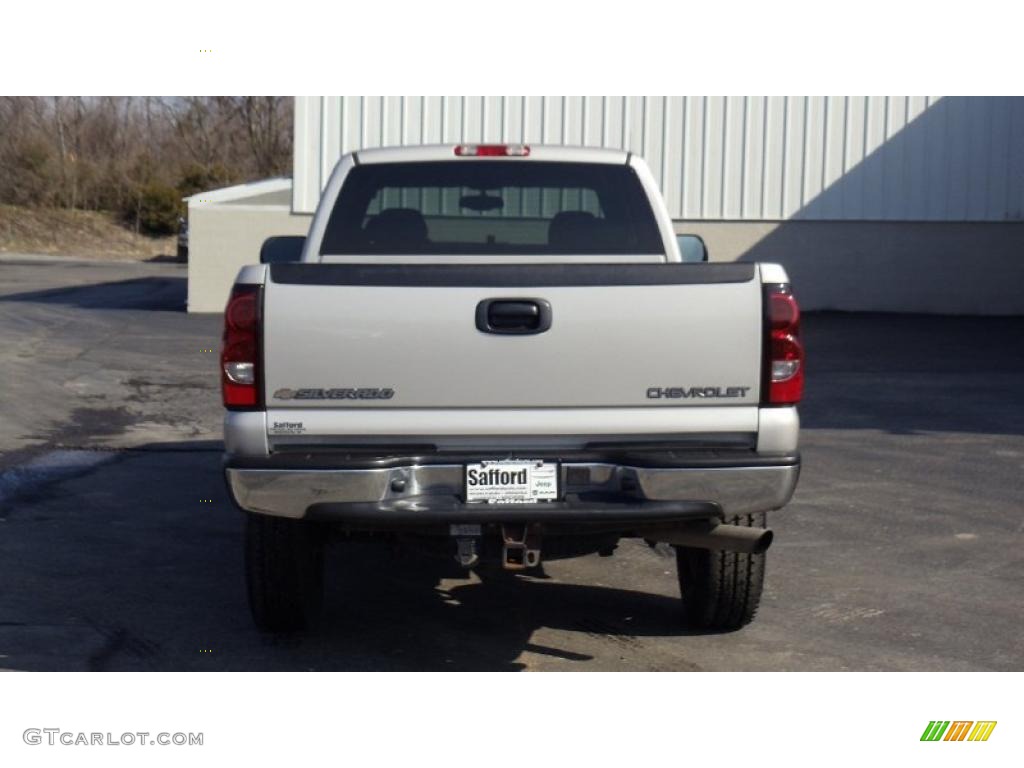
<point>717,536</point>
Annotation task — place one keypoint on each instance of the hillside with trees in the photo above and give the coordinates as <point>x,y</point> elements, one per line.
<point>132,159</point>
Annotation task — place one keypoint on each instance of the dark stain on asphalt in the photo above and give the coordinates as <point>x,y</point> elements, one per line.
<point>147,391</point>
<point>120,641</point>
<point>86,424</point>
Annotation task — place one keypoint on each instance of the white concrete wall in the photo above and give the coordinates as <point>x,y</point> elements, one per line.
<point>957,268</point>
<point>929,267</point>
<point>224,238</point>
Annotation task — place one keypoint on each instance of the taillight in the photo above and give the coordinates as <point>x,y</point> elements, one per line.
<point>240,351</point>
<point>492,150</point>
<point>783,353</point>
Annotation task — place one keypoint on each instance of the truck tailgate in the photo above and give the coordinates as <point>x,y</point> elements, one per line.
<point>351,336</point>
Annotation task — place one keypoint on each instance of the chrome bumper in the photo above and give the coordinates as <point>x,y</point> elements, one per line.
<point>293,492</point>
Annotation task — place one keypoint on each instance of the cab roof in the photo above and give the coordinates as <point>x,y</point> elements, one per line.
<point>537,152</point>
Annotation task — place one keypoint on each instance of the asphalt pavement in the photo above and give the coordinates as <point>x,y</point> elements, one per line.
<point>119,549</point>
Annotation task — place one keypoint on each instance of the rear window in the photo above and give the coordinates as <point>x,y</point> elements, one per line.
<point>492,207</point>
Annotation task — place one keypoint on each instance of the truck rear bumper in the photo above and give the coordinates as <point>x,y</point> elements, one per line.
<point>431,493</point>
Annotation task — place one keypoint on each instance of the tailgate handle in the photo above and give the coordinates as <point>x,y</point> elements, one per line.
<point>513,316</point>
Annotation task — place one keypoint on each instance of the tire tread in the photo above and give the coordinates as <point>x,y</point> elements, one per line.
<point>721,590</point>
<point>284,572</point>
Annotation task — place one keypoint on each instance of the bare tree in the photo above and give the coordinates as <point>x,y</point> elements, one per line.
<point>264,118</point>
<point>117,153</point>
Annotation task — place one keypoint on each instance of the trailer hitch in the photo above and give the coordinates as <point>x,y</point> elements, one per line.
<point>520,546</point>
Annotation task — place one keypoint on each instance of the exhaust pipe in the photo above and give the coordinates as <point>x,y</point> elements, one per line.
<point>708,535</point>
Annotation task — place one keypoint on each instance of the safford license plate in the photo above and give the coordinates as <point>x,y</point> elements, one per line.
<point>512,482</point>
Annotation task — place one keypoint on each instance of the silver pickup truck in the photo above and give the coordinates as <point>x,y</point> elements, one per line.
<point>500,352</point>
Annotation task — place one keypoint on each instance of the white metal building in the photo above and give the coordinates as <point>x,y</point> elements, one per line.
<point>872,203</point>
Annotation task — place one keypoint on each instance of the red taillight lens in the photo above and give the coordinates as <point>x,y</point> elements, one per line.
<point>784,311</point>
<point>492,150</point>
<point>240,352</point>
<point>784,354</point>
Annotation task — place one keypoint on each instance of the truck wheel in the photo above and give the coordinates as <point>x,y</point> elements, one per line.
<point>721,590</point>
<point>284,569</point>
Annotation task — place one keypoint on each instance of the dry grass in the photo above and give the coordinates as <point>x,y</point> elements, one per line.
<point>83,234</point>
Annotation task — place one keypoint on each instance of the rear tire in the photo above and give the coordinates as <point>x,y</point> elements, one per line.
<point>721,590</point>
<point>284,569</point>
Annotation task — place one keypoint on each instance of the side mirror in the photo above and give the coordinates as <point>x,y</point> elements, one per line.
<point>277,250</point>
<point>692,248</point>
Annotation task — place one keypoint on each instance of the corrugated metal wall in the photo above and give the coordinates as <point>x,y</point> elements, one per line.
<point>900,158</point>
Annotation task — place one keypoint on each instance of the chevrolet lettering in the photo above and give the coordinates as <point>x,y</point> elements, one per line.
<point>655,393</point>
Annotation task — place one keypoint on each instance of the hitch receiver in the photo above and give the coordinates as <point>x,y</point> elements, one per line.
<point>520,546</point>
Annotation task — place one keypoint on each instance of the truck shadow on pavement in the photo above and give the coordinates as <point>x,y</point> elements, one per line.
<point>136,564</point>
<point>412,618</point>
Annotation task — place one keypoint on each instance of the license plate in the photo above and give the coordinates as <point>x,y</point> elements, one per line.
<point>512,482</point>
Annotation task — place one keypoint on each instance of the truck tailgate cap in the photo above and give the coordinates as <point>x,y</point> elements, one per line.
<point>773,273</point>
